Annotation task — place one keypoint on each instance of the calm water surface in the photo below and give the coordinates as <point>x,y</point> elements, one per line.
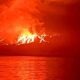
<point>37,68</point>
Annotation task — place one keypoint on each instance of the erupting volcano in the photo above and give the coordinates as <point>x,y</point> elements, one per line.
<point>21,24</point>
<point>28,37</point>
<point>46,24</point>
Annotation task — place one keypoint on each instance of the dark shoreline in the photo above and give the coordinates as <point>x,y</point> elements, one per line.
<point>48,50</point>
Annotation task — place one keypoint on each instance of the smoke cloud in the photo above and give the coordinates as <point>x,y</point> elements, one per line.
<point>37,14</point>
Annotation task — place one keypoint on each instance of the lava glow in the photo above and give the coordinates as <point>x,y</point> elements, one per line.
<point>27,37</point>
<point>23,24</point>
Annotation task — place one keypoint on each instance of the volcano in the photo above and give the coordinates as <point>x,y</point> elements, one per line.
<point>39,27</point>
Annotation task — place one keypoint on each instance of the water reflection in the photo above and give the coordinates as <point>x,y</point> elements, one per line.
<point>31,68</point>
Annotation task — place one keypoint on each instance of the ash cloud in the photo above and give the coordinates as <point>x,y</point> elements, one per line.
<point>55,14</point>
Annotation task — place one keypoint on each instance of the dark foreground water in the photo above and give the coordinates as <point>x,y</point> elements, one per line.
<point>39,68</point>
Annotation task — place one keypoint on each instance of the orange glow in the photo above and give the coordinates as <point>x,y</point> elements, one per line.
<point>28,37</point>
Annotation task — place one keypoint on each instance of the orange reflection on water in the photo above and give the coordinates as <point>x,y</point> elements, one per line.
<point>24,68</point>
<point>30,68</point>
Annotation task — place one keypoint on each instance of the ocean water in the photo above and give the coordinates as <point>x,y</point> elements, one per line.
<point>38,68</point>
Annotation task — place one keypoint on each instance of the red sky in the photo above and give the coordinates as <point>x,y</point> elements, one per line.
<point>56,15</point>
